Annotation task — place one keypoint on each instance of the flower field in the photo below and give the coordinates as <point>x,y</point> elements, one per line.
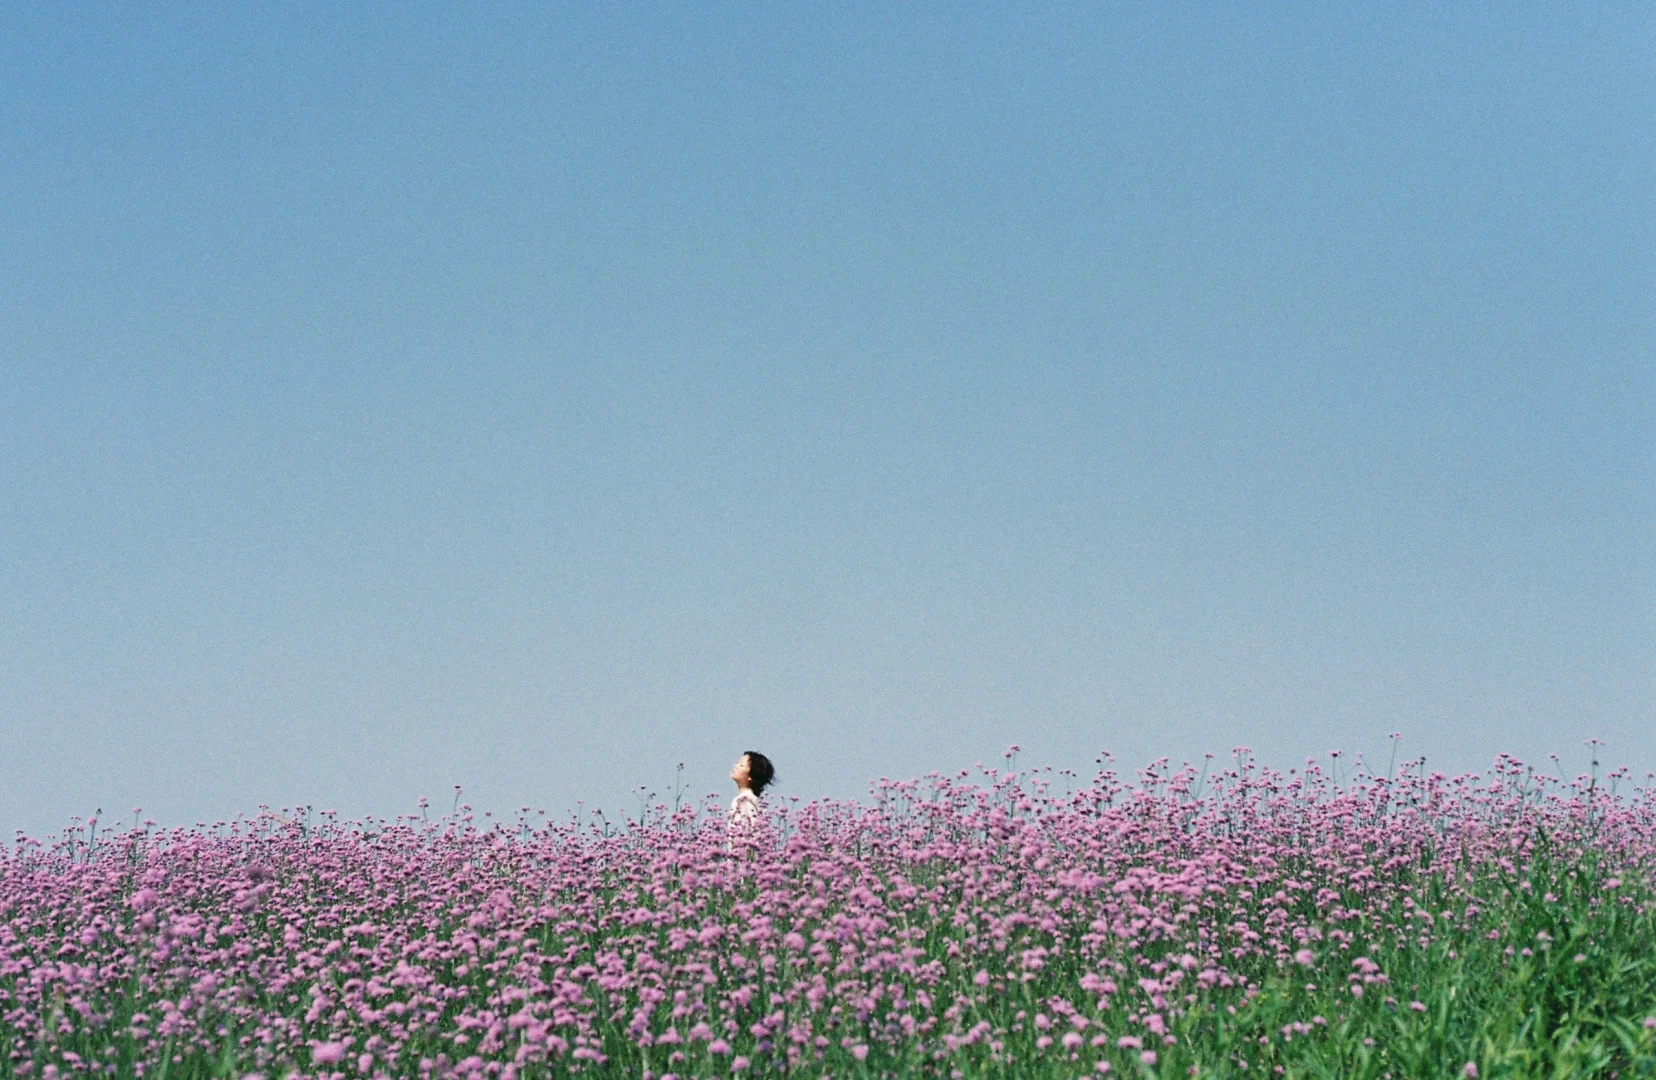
<point>1245,923</point>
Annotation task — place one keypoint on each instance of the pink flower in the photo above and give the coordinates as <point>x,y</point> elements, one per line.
<point>676,930</point>
<point>1148,1057</point>
<point>1470,1070</point>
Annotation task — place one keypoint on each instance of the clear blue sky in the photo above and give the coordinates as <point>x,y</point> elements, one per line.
<point>534,397</point>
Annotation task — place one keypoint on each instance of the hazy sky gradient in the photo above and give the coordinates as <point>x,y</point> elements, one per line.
<point>535,397</point>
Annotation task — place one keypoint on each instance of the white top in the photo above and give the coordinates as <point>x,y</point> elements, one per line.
<point>744,809</point>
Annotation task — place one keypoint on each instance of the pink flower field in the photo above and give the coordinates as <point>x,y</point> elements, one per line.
<point>1245,923</point>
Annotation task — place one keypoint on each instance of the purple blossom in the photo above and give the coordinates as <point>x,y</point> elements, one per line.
<point>950,922</point>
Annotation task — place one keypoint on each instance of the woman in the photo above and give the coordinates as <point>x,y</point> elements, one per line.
<point>752,772</point>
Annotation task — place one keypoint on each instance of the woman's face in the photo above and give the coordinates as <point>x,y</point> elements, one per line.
<point>739,772</point>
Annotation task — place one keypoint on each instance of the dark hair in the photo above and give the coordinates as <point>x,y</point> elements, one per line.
<point>760,771</point>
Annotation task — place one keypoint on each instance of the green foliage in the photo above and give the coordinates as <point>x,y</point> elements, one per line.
<point>1505,999</point>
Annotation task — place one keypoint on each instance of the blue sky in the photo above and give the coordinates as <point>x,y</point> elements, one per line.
<point>536,397</point>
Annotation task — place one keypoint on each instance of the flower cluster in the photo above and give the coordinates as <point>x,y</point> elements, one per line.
<point>953,924</point>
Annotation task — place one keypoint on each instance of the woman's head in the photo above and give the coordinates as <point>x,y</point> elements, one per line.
<point>753,770</point>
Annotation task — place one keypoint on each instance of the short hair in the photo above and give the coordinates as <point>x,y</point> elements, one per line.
<point>760,771</point>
